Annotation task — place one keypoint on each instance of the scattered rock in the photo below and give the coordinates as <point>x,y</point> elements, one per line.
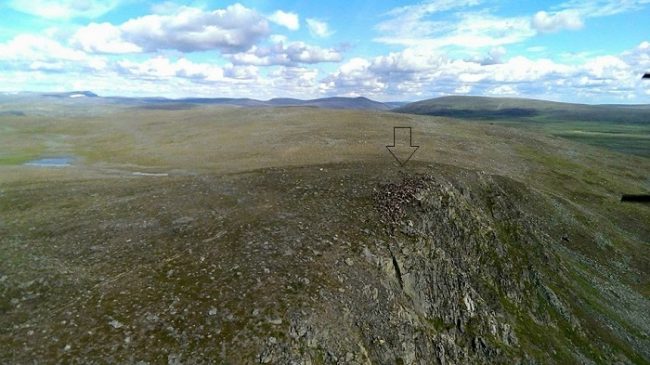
<point>115,324</point>
<point>183,220</point>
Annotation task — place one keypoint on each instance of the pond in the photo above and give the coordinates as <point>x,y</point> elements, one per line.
<point>51,162</point>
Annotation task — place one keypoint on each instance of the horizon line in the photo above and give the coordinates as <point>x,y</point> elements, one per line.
<point>55,93</point>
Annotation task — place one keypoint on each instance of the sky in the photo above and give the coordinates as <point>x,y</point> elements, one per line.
<point>589,51</point>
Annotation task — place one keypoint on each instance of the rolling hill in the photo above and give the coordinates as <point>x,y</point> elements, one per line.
<point>623,128</point>
<point>487,108</point>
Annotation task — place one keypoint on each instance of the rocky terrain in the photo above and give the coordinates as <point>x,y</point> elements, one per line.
<point>531,259</point>
<point>323,264</point>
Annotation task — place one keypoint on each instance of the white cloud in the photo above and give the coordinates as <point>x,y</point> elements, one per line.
<point>36,48</point>
<point>102,38</point>
<point>318,28</point>
<point>278,38</point>
<point>431,7</point>
<point>607,67</point>
<point>233,29</point>
<point>547,23</point>
<point>571,14</point>
<point>415,73</point>
<point>410,60</point>
<point>291,54</point>
<point>503,90</point>
<point>245,73</point>
<point>409,20</point>
<point>639,57</point>
<point>469,30</point>
<point>465,53</point>
<point>294,81</point>
<point>408,74</point>
<point>64,9</point>
<point>522,69</point>
<point>463,89</point>
<point>204,79</point>
<point>30,52</point>
<point>456,25</point>
<point>162,68</point>
<point>599,8</point>
<point>166,8</point>
<point>286,19</point>
<point>495,56</point>
<point>354,78</point>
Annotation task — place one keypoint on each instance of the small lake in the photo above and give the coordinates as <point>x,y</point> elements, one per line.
<point>51,162</point>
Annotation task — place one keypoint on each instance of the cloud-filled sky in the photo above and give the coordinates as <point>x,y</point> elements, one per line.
<point>592,51</point>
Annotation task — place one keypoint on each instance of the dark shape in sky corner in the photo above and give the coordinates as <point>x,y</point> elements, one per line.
<point>402,148</point>
<point>647,75</point>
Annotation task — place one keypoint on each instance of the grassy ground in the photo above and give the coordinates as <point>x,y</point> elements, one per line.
<point>633,139</point>
<point>92,254</point>
<point>620,128</point>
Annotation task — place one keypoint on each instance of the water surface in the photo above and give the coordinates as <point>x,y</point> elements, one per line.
<point>51,162</point>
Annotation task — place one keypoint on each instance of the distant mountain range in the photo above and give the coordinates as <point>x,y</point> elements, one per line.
<point>465,107</point>
<point>329,103</point>
<point>165,103</point>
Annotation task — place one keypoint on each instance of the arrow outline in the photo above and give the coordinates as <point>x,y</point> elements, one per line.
<point>410,145</point>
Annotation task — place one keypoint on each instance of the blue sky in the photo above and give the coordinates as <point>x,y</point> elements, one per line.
<point>592,51</point>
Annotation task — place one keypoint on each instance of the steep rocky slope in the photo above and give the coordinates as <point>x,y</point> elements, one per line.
<point>470,268</point>
<point>344,263</point>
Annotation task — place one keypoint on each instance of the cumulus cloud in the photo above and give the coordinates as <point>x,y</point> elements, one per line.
<point>160,67</point>
<point>31,52</point>
<point>102,38</point>
<point>522,69</point>
<point>64,9</point>
<point>547,23</point>
<point>32,47</point>
<point>494,56</point>
<point>294,81</point>
<point>233,29</point>
<point>639,57</point>
<point>465,53</point>
<point>291,54</point>
<point>288,20</point>
<point>607,67</point>
<point>417,73</point>
<point>230,80</point>
<point>318,28</point>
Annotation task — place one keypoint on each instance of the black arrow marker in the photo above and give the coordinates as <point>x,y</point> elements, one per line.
<point>405,150</point>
